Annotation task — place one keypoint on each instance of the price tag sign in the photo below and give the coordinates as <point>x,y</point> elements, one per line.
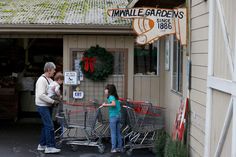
<point>71,78</point>
<point>78,94</point>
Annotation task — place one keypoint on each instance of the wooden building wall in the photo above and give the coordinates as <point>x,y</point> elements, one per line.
<point>108,42</point>
<point>221,70</point>
<point>147,88</point>
<point>138,87</point>
<point>199,57</point>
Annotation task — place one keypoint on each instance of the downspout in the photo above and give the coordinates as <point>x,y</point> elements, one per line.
<point>209,74</point>
<point>189,70</point>
<point>189,42</point>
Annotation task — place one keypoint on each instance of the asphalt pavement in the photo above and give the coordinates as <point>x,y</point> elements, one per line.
<point>20,139</point>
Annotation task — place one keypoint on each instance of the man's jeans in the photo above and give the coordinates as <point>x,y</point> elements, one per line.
<point>116,138</point>
<point>47,133</point>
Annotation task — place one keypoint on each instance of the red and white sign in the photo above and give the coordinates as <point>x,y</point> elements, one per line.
<point>180,122</point>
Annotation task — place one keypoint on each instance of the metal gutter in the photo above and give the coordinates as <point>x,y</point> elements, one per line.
<point>66,29</point>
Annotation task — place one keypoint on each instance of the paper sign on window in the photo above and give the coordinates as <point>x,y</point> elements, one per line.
<point>71,78</point>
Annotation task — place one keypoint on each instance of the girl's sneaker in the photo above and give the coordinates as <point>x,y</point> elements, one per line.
<point>51,150</point>
<point>113,151</point>
<point>120,150</point>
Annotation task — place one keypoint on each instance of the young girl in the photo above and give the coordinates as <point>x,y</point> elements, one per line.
<point>114,117</point>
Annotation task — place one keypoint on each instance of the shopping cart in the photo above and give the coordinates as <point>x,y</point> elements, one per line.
<point>138,106</point>
<point>81,124</point>
<point>144,122</point>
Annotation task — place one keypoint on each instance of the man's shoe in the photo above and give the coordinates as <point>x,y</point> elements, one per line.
<point>41,148</point>
<point>51,150</point>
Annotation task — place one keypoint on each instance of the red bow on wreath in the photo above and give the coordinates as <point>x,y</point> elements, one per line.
<point>89,63</point>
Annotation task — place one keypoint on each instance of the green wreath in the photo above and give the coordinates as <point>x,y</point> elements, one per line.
<point>97,63</point>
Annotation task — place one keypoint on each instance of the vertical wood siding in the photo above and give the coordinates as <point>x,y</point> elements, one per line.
<point>219,110</point>
<point>108,42</point>
<point>147,88</point>
<point>221,70</point>
<point>85,42</point>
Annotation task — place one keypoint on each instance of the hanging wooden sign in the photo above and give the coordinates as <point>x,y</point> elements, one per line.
<point>152,23</point>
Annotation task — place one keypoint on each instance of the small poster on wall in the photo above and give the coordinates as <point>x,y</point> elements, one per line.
<point>167,53</point>
<point>71,78</point>
<point>78,70</point>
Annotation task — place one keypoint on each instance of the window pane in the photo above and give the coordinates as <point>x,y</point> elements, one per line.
<point>175,66</point>
<point>145,59</point>
<point>180,73</point>
<point>177,69</point>
<point>118,62</point>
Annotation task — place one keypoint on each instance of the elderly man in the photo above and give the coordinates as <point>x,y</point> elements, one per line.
<point>44,107</point>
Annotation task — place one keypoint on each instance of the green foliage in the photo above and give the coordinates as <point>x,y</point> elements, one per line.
<point>85,7</point>
<point>63,9</point>
<point>3,4</point>
<point>166,147</point>
<point>144,52</point>
<point>103,66</point>
<point>160,143</point>
<point>7,11</point>
<point>175,149</point>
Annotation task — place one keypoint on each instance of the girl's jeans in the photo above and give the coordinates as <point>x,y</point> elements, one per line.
<point>47,133</point>
<point>116,138</point>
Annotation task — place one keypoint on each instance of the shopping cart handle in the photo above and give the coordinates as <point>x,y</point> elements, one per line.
<point>127,107</point>
<point>95,101</point>
<point>59,117</point>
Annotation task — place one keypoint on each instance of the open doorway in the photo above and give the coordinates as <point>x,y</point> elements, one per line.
<point>22,62</point>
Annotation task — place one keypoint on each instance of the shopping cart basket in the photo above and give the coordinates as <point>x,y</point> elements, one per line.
<point>144,124</point>
<point>82,125</point>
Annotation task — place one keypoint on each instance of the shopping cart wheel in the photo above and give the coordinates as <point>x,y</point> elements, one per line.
<point>152,149</point>
<point>129,152</point>
<point>58,144</point>
<point>74,147</point>
<point>101,148</point>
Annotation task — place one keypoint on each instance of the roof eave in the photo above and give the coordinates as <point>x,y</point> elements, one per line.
<point>66,29</point>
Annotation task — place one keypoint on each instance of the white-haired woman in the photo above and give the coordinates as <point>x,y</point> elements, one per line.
<point>44,107</point>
